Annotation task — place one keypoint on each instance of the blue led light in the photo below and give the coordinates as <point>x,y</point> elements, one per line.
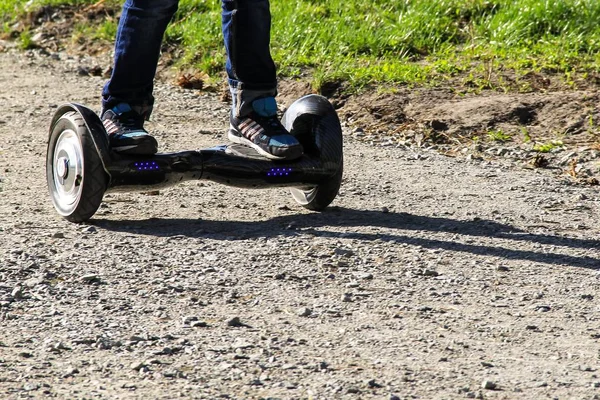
<point>279,172</point>
<point>146,166</point>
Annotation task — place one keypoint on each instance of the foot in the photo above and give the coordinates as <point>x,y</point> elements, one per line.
<point>262,131</point>
<point>126,133</point>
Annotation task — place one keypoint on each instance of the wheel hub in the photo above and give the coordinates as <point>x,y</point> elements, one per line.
<point>62,168</point>
<point>67,171</point>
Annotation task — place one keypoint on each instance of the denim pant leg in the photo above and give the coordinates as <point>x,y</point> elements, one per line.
<point>251,71</point>
<point>137,49</point>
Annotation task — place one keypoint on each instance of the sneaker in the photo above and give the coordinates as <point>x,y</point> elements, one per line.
<point>126,133</point>
<point>262,131</point>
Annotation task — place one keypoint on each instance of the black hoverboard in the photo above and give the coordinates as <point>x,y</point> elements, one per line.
<point>80,166</point>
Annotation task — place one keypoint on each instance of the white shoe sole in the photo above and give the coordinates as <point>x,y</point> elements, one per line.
<point>242,140</point>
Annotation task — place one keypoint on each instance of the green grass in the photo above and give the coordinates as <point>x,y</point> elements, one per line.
<point>424,42</point>
<point>498,135</point>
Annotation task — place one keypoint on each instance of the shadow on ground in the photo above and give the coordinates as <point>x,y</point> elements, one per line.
<point>353,220</point>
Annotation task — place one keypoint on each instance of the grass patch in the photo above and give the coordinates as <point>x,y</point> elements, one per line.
<point>548,146</point>
<point>499,135</point>
<point>480,44</point>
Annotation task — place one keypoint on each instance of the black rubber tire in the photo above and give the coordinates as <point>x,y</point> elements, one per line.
<point>313,120</point>
<point>94,180</point>
<point>318,198</point>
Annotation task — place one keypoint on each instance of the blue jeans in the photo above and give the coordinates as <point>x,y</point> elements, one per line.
<point>246,30</point>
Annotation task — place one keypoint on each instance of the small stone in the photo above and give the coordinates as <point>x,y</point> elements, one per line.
<point>431,273</point>
<point>303,312</point>
<point>172,373</point>
<point>358,132</point>
<point>372,384</point>
<point>385,210</point>
<point>347,297</point>
<point>17,293</point>
<point>70,372</point>
<point>189,319</point>
<point>343,252</point>
<point>89,229</point>
<point>531,327</point>
<point>90,278</point>
<point>503,268</point>
<point>488,385</point>
<point>235,322</point>
<point>58,235</point>
<point>364,275</point>
<point>136,339</point>
<point>438,125</point>
<point>321,366</point>
<point>28,387</point>
<point>137,365</point>
<point>199,324</point>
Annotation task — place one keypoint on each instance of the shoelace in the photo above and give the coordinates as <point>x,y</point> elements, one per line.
<point>129,121</point>
<point>273,122</point>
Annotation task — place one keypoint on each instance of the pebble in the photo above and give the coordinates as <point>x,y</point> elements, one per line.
<point>503,268</point>
<point>17,293</point>
<point>137,365</point>
<point>358,132</point>
<point>347,297</point>
<point>58,235</point>
<point>488,385</point>
<point>343,252</point>
<point>372,384</point>
<point>304,312</point>
<point>89,229</point>
<point>189,319</point>
<point>531,327</point>
<point>70,372</point>
<point>236,322</point>
<point>90,278</point>
<point>28,387</point>
<point>364,275</point>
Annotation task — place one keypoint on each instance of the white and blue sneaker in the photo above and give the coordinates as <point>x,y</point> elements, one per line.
<point>262,130</point>
<point>126,133</point>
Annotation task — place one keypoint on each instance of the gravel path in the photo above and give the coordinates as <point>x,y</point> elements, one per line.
<point>430,277</point>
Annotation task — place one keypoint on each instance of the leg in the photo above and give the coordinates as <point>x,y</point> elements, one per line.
<point>253,80</point>
<point>137,48</point>
<point>250,68</point>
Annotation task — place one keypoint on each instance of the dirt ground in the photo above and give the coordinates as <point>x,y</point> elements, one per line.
<point>444,269</point>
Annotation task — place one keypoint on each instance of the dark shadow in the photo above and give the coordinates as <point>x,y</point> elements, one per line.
<point>346,218</point>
